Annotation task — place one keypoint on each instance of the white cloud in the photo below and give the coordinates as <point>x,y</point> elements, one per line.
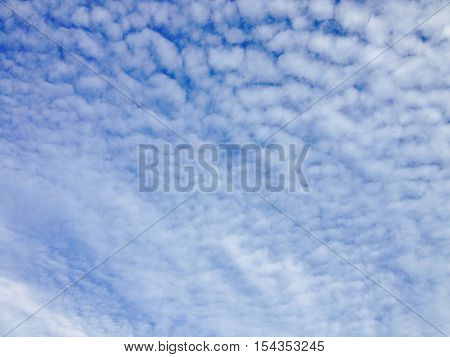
<point>353,16</point>
<point>321,9</point>
<point>224,59</point>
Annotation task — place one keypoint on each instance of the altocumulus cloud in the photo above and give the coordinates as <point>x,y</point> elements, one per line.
<point>224,71</point>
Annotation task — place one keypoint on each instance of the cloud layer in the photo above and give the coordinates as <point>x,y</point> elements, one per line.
<point>217,71</point>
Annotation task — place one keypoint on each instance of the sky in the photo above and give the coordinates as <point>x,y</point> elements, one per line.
<point>83,83</point>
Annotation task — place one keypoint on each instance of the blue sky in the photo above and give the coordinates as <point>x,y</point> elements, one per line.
<point>224,264</point>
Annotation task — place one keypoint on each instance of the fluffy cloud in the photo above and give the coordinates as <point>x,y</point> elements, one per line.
<point>224,59</point>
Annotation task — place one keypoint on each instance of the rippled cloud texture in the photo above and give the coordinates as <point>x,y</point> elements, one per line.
<point>218,71</point>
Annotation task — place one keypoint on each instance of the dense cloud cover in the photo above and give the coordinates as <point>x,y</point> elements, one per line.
<point>224,71</point>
